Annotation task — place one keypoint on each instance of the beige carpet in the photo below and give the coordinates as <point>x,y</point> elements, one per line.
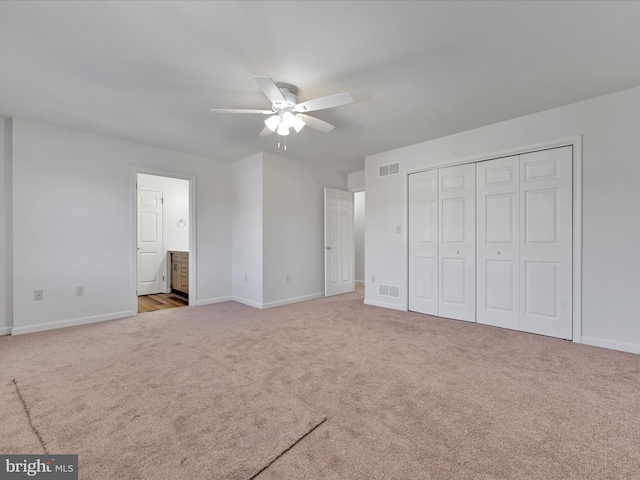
<point>224,390</point>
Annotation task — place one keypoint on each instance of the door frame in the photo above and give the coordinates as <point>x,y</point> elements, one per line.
<point>576,143</point>
<point>134,231</point>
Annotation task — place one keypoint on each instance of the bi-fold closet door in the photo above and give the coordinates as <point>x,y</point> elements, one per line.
<point>442,242</point>
<point>522,269</point>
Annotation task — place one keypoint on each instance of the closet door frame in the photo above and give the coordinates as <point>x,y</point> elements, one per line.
<point>576,143</point>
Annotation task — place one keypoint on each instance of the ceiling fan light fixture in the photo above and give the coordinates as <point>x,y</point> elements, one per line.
<point>288,118</point>
<point>298,123</point>
<point>272,122</point>
<point>283,130</point>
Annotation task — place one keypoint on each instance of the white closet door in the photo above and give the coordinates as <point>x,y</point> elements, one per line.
<point>498,242</point>
<point>423,242</point>
<point>457,230</point>
<point>546,242</point>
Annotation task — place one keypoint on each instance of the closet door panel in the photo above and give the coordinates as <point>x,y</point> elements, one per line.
<point>547,242</point>
<point>498,232</point>
<point>423,242</point>
<point>456,199</point>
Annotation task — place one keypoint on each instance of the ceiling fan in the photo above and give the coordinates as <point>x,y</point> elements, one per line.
<point>286,113</point>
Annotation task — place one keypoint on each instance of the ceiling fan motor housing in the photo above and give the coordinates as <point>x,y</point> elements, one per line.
<point>290,94</point>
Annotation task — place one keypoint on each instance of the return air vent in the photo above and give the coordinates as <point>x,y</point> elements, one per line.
<point>389,291</point>
<point>390,169</point>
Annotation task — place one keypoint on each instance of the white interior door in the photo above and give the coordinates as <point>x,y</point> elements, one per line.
<point>423,242</point>
<point>457,248</point>
<point>150,242</point>
<point>498,242</point>
<point>339,243</point>
<point>546,231</point>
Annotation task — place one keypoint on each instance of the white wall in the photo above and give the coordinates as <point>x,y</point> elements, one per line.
<point>355,181</point>
<point>294,228</point>
<point>72,224</point>
<point>176,208</point>
<point>247,231</point>
<point>611,226</point>
<point>358,233</point>
<point>6,229</point>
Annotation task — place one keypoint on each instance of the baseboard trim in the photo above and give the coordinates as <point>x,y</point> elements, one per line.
<point>288,301</point>
<point>70,323</point>
<point>209,301</point>
<point>360,282</point>
<point>277,303</point>
<point>244,301</point>
<point>611,344</point>
<point>5,331</point>
<point>392,306</point>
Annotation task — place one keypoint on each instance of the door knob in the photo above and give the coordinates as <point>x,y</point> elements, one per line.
<point>498,252</point>
<point>328,248</point>
<point>457,252</point>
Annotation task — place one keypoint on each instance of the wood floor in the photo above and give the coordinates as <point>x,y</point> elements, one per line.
<point>160,301</point>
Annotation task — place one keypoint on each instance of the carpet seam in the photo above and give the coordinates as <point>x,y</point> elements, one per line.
<point>28,412</point>
<point>287,449</point>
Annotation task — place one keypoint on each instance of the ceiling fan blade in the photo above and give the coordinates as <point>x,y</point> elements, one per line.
<point>316,123</point>
<point>265,131</point>
<point>240,110</point>
<point>270,89</point>
<point>321,103</point>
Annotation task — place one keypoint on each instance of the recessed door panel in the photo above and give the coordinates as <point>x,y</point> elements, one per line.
<point>454,281</point>
<point>426,278</point>
<point>148,232</point>
<point>500,218</point>
<point>541,211</point>
<point>453,220</point>
<point>500,279</point>
<point>541,289</point>
<point>424,222</point>
<point>148,269</point>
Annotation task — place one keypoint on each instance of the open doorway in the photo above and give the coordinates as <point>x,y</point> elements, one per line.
<point>162,242</point>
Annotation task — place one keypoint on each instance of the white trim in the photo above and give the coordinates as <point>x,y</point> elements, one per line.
<point>193,301</point>
<point>70,323</point>
<point>247,302</point>
<point>209,301</point>
<point>360,282</point>
<point>576,143</point>
<point>288,301</point>
<point>611,344</point>
<point>392,306</point>
<point>5,331</point>
<point>277,303</point>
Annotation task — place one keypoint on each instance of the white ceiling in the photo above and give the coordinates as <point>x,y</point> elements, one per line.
<point>149,71</point>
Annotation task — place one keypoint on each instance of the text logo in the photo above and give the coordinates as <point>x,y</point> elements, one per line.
<point>49,467</point>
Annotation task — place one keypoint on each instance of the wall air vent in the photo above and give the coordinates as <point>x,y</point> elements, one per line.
<point>390,169</point>
<point>389,291</point>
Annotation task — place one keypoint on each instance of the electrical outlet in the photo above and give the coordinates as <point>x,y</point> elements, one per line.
<point>246,278</point>
<point>286,278</point>
<point>38,295</point>
<point>79,291</point>
<point>398,229</point>
<point>373,279</point>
